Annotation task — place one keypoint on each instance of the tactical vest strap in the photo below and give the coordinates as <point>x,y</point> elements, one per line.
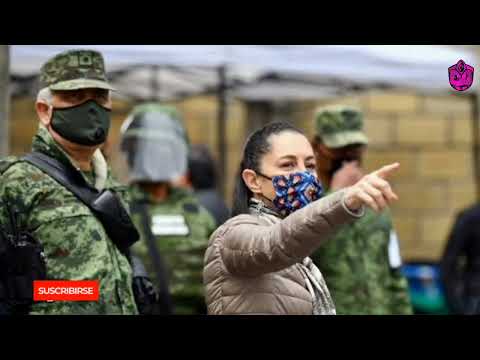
<point>105,205</point>
<point>141,208</point>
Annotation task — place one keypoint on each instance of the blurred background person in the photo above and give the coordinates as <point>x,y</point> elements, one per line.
<point>361,263</point>
<point>202,177</point>
<point>174,227</point>
<point>460,265</point>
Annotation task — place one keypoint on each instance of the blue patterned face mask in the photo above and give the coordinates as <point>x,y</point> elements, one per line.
<point>294,191</point>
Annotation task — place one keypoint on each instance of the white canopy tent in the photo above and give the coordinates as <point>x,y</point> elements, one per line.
<point>259,72</point>
<point>189,69</point>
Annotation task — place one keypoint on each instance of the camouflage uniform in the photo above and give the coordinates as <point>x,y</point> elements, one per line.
<point>356,269</point>
<point>355,261</point>
<point>75,242</point>
<point>183,254</point>
<point>76,245</point>
<point>156,145</point>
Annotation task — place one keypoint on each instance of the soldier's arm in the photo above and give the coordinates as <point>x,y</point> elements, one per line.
<point>400,300</point>
<point>204,219</point>
<point>210,222</point>
<point>19,191</point>
<point>16,198</point>
<point>397,283</point>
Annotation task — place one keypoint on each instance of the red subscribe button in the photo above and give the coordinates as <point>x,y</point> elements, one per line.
<point>62,290</point>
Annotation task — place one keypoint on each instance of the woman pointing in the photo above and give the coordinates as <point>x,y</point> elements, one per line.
<point>257,262</point>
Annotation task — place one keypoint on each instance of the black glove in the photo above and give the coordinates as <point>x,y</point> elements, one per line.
<point>147,299</point>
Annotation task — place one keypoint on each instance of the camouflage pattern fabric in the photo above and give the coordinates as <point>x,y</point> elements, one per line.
<point>75,242</point>
<point>75,69</point>
<point>181,227</point>
<point>355,265</point>
<point>339,126</point>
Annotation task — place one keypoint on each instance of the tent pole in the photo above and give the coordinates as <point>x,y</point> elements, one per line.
<point>155,83</point>
<point>221,127</point>
<point>4,100</point>
<point>476,141</point>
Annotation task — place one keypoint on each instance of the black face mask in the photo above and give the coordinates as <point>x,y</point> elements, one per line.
<point>84,124</point>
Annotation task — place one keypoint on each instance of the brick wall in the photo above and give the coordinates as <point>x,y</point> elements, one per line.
<point>429,135</point>
<point>431,138</point>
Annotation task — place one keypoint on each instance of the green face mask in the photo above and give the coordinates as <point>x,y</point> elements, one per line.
<point>84,124</point>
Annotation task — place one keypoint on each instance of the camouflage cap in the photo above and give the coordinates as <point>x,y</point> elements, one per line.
<point>339,126</point>
<point>75,69</point>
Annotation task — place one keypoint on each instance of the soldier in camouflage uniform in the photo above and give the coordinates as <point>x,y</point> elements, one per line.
<point>177,226</point>
<point>361,264</point>
<point>73,108</point>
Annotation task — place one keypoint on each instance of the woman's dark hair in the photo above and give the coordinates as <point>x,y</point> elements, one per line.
<point>256,146</point>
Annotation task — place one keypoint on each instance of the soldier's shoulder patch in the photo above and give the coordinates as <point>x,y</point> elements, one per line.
<point>191,207</point>
<point>169,225</point>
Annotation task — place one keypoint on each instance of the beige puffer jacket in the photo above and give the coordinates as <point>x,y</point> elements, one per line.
<point>252,263</point>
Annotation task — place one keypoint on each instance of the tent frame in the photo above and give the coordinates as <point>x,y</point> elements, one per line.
<point>26,84</point>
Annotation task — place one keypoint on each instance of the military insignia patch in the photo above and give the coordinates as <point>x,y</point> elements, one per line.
<point>169,225</point>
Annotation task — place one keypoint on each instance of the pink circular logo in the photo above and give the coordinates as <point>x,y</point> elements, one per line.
<point>460,76</point>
